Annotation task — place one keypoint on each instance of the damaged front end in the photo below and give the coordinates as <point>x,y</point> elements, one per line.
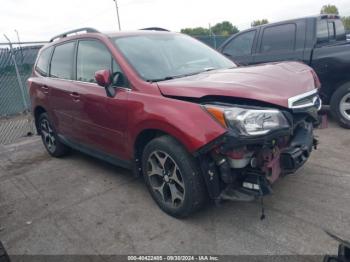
<point>261,145</point>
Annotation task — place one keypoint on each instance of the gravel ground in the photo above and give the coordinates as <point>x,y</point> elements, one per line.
<point>80,205</point>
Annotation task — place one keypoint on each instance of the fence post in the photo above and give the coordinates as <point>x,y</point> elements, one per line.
<point>19,80</point>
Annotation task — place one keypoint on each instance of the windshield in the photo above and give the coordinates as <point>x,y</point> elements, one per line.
<point>159,57</point>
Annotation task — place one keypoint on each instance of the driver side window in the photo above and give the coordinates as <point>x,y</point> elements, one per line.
<point>93,56</point>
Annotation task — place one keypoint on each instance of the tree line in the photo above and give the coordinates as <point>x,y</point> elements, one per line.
<point>226,28</point>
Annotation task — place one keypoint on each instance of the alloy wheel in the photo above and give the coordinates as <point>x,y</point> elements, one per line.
<point>345,106</point>
<point>166,179</point>
<point>48,135</point>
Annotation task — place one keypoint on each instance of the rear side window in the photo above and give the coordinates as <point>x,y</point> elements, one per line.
<point>42,66</point>
<point>278,38</point>
<point>62,61</point>
<point>93,56</point>
<point>241,44</point>
<point>339,30</point>
<point>331,30</point>
<point>322,31</point>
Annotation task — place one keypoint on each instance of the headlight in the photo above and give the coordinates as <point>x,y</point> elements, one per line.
<point>248,122</point>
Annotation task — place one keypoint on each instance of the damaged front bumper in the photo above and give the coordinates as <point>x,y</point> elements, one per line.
<point>299,149</point>
<point>239,168</point>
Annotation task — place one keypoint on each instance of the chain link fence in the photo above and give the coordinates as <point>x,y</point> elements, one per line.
<point>16,62</point>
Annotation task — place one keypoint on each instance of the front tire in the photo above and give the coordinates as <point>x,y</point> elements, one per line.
<point>340,105</point>
<point>173,177</point>
<point>50,139</point>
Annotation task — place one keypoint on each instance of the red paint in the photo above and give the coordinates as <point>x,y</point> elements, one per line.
<point>103,77</point>
<point>271,83</point>
<point>83,112</point>
<point>272,165</point>
<point>237,153</point>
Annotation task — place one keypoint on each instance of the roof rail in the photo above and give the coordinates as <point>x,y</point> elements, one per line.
<point>155,29</point>
<point>86,29</point>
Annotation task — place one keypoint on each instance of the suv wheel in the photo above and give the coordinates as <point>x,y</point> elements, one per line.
<point>50,139</point>
<point>173,177</point>
<point>340,105</point>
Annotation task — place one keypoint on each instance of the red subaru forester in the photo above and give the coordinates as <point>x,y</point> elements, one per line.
<point>168,107</point>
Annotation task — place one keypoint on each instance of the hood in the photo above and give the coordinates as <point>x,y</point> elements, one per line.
<point>273,83</point>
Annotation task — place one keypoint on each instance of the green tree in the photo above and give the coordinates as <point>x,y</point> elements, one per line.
<point>259,22</point>
<point>329,9</point>
<point>346,22</point>
<point>195,31</point>
<point>224,28</point>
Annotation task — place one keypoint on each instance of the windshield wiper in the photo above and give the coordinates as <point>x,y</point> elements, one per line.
<point>180,76</point>
<point>170,77</point>
<point>161,79</point>
<point>207,69</point>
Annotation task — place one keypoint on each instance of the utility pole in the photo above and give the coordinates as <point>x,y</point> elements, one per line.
<point>116,6</point>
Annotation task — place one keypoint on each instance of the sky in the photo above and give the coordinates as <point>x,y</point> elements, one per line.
<point>39,20</point>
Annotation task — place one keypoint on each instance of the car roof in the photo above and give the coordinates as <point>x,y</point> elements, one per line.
<point>323,16</point>
<point>88,31</point>
<point>137,32</point>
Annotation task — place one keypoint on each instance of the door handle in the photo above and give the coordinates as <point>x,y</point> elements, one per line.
<point>75,96</point>
<point>45,89</point>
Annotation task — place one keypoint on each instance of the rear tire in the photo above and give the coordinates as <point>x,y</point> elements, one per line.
<point>173,177</point>
<point>50,138</point>
<point>340,105</point>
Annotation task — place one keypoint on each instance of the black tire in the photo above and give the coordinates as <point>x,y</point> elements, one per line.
<point>50,139</point>
<point>337,99</point>
<point>194,193</point>
<point>3,254</point>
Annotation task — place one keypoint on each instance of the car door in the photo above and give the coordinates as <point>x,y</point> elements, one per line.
<point>281,42</point>
<point>62,96</point>
<point>329,59</point>
<point>240,47</point>
<point>100,120</point>
<point>40,85</point>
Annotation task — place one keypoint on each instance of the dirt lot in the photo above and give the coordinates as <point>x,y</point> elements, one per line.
<point>79,205</point>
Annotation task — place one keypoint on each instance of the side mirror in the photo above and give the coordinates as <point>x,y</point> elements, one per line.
<point>104,79</point>
<point>118,79</point>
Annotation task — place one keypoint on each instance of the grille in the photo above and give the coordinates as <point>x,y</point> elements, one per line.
<point>310,99</point>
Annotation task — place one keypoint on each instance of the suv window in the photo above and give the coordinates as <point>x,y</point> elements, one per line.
<point>42,66</point>
<point>93,56</point>
<point>241,44</point>
<point>277,38</point>
<point>62,61</point>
